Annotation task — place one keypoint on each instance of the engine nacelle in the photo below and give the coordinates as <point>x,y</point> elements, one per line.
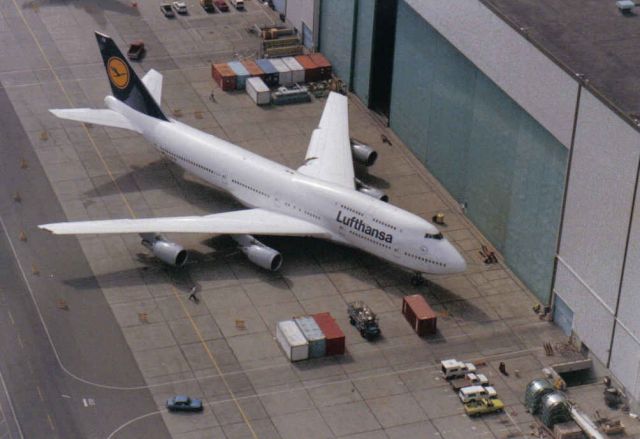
<point>363,154</point>
<point>371,191</point>
<point>258,253</point>
<point>167,251</point>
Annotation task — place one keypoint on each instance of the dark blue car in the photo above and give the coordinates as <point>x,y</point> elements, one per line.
<point>183,403</point>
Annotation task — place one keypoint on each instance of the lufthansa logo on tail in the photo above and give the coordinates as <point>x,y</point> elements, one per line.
<point>118,72</point>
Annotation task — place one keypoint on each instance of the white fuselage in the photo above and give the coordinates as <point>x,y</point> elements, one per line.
<point>350,217</point>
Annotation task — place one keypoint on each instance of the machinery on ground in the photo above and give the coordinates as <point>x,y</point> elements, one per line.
<point>365,320</point>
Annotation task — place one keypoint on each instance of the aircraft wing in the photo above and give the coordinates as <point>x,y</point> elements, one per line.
<point>329,153</point>
<point>99,117</point>
<point>251,221</point>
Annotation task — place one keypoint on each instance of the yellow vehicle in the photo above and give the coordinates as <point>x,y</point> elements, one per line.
<point>483,406</point>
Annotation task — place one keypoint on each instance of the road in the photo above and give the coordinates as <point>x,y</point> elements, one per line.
<point>68,373</point>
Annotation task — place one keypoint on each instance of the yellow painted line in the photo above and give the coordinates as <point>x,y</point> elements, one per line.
<point>133,215</point>
<point>13,322</point>
<point>40,395</point>
<point>66,94</point>
<point>53,427</point>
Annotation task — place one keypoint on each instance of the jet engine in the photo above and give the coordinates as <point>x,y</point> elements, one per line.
<point>363,154</point>
<point>258,253</point>
<point>371,191</point>
<point>167,251</point>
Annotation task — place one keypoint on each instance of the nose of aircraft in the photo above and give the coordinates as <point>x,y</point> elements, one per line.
<point>455,261</point>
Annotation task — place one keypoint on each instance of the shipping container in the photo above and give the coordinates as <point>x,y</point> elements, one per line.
<point>242,74</point>
<point>313,334</point>
<point>252,68</point>
<point>271,75</point>
<point>334,337</point>
<point>297,71</point>
<point>258,91</point>
<point>284,74</point>
<point>292,341</point>
<point>323,64</point>
<point>224,76</point>
<point>311,70</point>
<point>419,314</point>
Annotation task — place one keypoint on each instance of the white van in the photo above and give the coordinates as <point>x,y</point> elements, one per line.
<point>238,4</point>
<point>453,368</point>
<point>473,393</point>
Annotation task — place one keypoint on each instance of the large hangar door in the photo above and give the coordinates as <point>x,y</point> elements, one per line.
<point>481,145</point>
<point>362,48</point>
<point>384,31</point>
<point>336,34</point>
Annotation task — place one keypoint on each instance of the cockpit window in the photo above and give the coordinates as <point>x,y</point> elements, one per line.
<point>436,236</point>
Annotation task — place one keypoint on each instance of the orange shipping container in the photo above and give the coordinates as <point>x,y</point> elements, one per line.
<point>419,314</point>
<point>224,76</point>
<point>334,337</point>
<point>323,64</point>
<point>311,70</point>
<point>252,68</point>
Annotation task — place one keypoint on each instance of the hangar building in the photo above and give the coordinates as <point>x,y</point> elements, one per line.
<point>528,113</point>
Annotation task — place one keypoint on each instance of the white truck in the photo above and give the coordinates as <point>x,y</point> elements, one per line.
<point>238,4</point>
<point>473,393</point>
<point>453,368</point>
<point>470,379</point>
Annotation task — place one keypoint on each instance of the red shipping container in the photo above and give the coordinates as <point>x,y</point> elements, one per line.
<point>252,68</point>
<point>323,63</point>
<point>419,314</point>
<point>224,76</point>
<point>311,70</point>
<point>332,332</point>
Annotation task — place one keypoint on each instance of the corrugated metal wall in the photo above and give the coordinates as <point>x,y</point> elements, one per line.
<point>483,147</point>
<point>336,34</point>
<point>362,47</point>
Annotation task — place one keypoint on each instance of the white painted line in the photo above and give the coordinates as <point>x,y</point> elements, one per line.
<point>13,412</point>
<point>84,401</point>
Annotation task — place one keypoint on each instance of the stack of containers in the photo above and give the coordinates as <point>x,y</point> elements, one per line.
<point>311,70</point>
<point>313,334</point>
<point>258,91</point>
<point>242,74</point>
<point>271,76</point>
<point>334,337</point>
<point>224,76</point>
<point>323,64</point>
<point>284,74</point>
<point>292,341</point>
<point>252,68</point>
<point>297,71</point>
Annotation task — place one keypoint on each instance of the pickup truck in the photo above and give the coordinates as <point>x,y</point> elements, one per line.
<point>136,50</point>
<point>167,10</point>
<point>453,368</point>
<point>483,406</point>
<point>470,379</point>
<point>221,5</point>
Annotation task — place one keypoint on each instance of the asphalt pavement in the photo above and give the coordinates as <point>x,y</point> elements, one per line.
<point>67,368</point>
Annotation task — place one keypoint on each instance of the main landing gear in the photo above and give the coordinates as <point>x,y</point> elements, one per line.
<point>417,280</point>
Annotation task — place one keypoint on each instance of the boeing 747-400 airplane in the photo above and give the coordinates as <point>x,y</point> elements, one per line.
<point>322,198</point>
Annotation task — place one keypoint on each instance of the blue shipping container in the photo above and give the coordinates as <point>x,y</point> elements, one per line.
<point>314,335</point>
<point>271,74</point>
<point>242,74</point>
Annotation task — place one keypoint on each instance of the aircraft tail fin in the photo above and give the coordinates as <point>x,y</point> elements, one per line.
<point>125,84</point>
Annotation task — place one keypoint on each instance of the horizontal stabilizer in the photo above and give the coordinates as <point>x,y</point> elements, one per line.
<point>153,81</point>
<point>251,222</point>
<point>108,118</point>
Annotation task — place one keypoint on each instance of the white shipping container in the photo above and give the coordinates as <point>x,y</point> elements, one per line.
<point>258,91</point>
<point>292,340</point>
<point>283,71</point>
<point>297,71</point>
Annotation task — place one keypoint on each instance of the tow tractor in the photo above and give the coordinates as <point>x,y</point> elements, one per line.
<point>365,320</point>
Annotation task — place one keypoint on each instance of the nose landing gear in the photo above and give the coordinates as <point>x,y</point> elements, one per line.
<point>417,280</point>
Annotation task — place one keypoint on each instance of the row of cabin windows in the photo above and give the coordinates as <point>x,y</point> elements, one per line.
<point>375,241</point>
<point>423,259</point>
